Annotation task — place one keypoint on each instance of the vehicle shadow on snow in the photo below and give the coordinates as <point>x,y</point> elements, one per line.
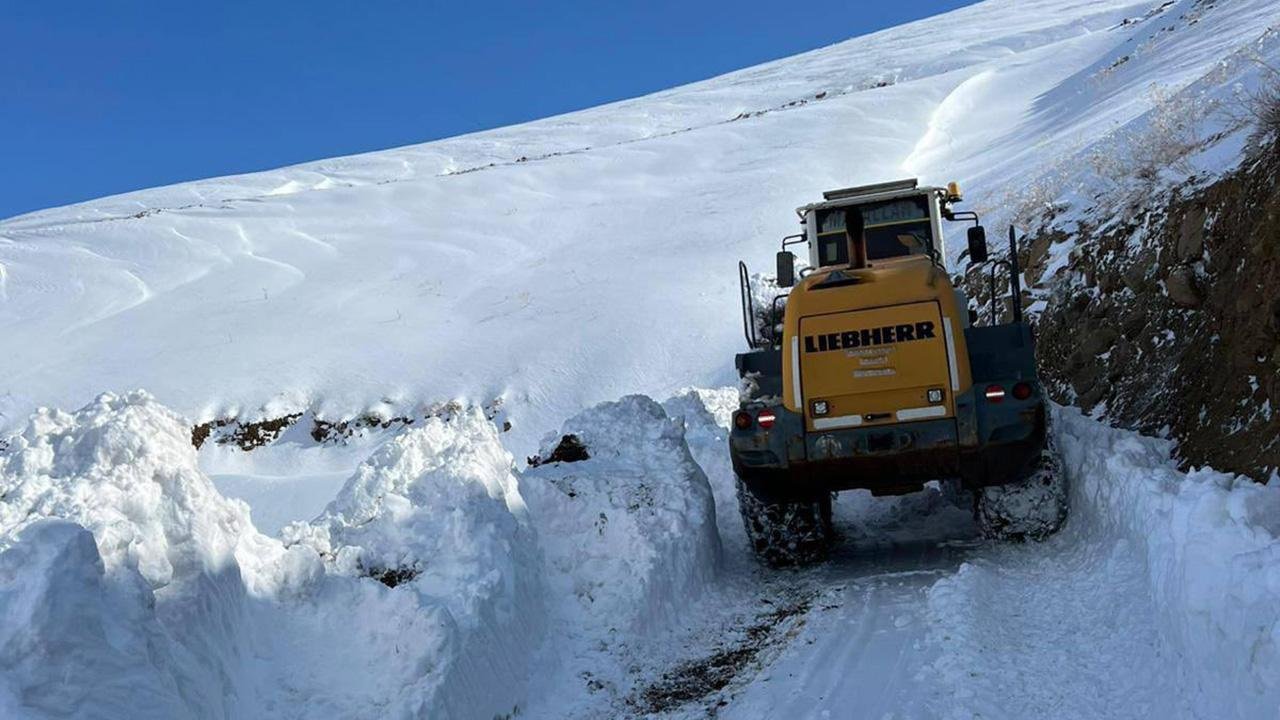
<point>931,532</point>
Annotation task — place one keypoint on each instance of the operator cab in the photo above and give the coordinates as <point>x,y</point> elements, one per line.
<point>871,225</point>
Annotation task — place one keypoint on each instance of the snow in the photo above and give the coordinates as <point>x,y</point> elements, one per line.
<point>570,589</point>
<point>132,588</point>
<point>454,269</point>
<point>164,589</point>
<point>439,508</point>
<point>558,266</point>
<point>1161,598</point>
<point>75,644</point>
<point>110,528</point>
<point>1211,542</point>
<point>631,531</point>
<point>124,468</point>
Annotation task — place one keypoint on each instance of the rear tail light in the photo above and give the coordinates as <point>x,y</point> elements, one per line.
<point>1022,390</point>
<point>995,393</point>
<point>766,419</point>
<point>742,420</point>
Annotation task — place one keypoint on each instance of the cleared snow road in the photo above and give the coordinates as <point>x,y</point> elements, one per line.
<point>914,616</point>
<point>923,620</point>
<point>616,598</point>
<point>861,647</point>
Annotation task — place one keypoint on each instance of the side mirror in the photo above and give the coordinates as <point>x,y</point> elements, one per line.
<point>786,269</point>
<point>978,244</point>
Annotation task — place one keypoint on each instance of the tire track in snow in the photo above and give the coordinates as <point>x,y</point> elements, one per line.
<point>915,617</point>
<point>1059,630</point>
<point>863,643</point>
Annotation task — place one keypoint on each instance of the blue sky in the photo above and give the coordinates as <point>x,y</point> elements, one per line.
<point>101,97</point>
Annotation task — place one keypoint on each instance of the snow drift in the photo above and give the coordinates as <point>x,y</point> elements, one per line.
<point>75,642</point>
<point>437,512</point>
<point>130,588</point>
<point>1179,572</point>
<point>163,590</point>
<point>630,530</point>
<point>1212,545</point>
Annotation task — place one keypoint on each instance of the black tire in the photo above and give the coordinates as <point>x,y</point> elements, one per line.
<point>1031,509</point>
<point>784,534</point>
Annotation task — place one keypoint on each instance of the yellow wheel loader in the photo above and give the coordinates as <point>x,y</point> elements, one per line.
<point>873,373</point>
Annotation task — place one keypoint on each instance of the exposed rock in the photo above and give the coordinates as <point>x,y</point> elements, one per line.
<point>569,450</point>
<point>1099,341</point>
<point>244,435</point>
<point>1191,235</point>
<point>1180,333</point>
<point>1182,287</point>
<point>1121,355</point>
<point>1090,399</point>
<point>1037,256</point>
<point>251,435</point>
<point>1134,323</point>
<point>1136,275</point>
<point>1086,379</point>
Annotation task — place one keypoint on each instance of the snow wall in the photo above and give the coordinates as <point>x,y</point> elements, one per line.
<point>129,588</point>
<point>1212,545</point>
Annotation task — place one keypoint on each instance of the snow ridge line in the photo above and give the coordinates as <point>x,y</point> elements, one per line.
<point>228,203</point>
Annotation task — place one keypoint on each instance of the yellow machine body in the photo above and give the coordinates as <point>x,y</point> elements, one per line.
<point>883,344</point>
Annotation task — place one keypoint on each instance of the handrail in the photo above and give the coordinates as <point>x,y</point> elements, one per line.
<point>777,341</point>
<point>1010,262</point>
<point>1015,282</point>
<point>748,306</point>
<point>995,317</point>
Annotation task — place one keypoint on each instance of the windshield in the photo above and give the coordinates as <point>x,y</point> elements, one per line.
<point>892,228</point>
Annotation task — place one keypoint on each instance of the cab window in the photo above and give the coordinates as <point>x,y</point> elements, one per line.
<point>896,228</point>
<point>892,228</point>
<point>833,244</point>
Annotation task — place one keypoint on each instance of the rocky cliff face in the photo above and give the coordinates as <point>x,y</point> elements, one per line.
<point>1167,319</point>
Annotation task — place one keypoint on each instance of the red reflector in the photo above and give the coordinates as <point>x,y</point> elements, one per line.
<point>766,419</point>
<point>995,393</point>
<point>1022,391</point>
<point>742,420</point>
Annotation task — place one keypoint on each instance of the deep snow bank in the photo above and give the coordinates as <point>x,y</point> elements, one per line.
<point>75,643</point>
<point>706,415</point>
<point>1212,546</point>
<point>161,595</point>
<point>130,588</point>
<point>630,532</point>
<point>124,468</point>
<point>437,511</point>
<point>151,595</point>
<point>1172,576</point>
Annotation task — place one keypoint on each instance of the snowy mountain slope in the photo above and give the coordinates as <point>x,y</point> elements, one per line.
<point>554,265</point>
<point>565,261</point>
